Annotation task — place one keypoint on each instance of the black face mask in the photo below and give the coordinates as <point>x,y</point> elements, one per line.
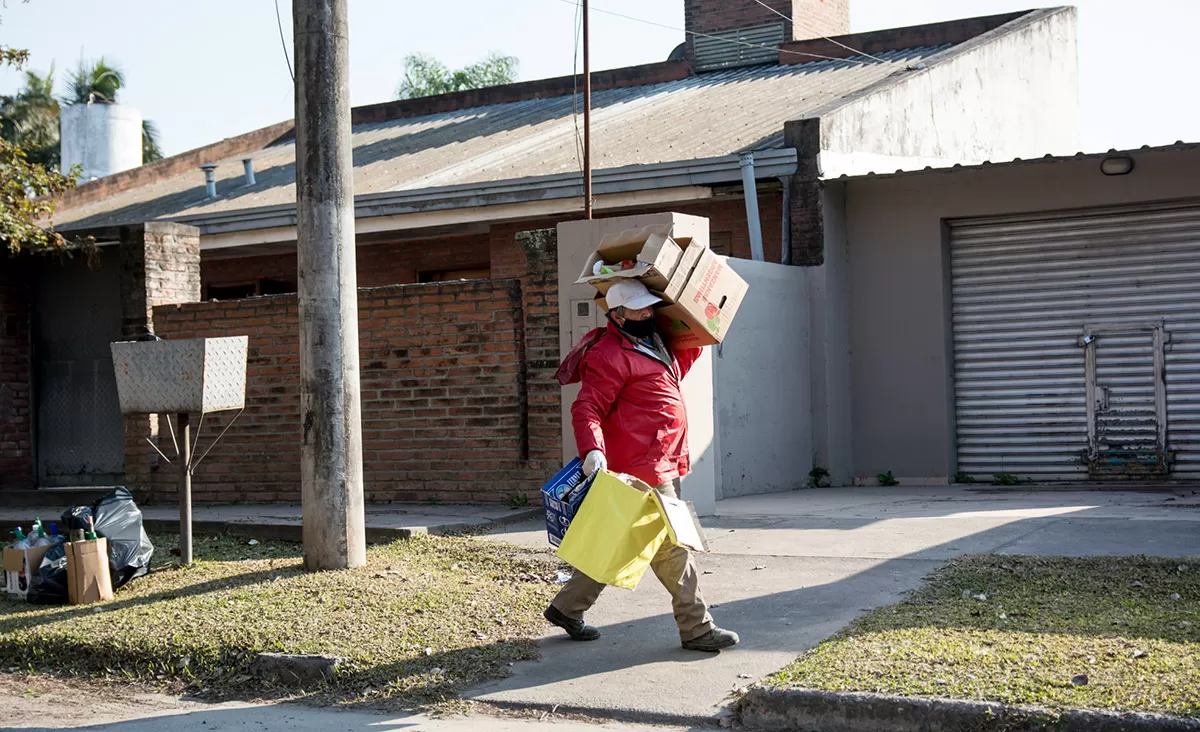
<point>640,328</point>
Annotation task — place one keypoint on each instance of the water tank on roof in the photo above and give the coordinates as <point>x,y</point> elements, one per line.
<point>102,138</point>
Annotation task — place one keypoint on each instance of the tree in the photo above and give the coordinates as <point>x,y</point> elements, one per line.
<point>102,82</point>
<point>150,149</point>
<point>96,82</point>
<point>27,189</point>
<point>29,119</point>
<point>425,76</point>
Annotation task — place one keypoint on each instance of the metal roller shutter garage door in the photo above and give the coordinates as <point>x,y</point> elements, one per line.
<point>1077,343</point>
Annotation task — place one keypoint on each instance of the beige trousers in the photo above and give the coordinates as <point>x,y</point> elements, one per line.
<point>675,569</point>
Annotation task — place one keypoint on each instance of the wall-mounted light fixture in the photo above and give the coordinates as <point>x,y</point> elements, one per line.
<point>1117,165</point>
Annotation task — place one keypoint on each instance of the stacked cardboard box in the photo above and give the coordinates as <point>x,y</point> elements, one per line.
<point>701,292</point>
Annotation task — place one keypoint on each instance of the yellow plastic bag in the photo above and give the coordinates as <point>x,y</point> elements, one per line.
<point>616,532</point>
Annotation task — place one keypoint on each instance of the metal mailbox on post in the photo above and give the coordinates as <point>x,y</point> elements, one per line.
<point>200,376</point>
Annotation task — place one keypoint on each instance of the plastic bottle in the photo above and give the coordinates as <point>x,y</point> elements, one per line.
<point>54,531</point>
<point>21,542</point>
<point>38,536</point>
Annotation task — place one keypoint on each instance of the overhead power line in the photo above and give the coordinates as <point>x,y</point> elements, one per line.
<point>286,56</point>
<point>810,29</point>
<point>718,38</point>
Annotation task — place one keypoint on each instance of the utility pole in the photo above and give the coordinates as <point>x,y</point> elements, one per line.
<point>587,114</point>
<point>331,474</point>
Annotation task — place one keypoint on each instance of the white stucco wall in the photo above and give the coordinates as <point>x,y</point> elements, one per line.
<point>1010,93</point>
<point>102,138</point>
<point>763,383</point>
<point>829,339</point>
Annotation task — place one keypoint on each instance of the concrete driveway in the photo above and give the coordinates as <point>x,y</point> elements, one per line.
<point>788,570</point>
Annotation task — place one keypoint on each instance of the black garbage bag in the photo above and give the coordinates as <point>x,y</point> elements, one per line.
<point>76,519</point>
<point>119,520</point>
<point>48,585</point>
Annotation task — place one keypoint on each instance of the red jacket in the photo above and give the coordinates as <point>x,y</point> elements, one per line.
<point>631,409</point>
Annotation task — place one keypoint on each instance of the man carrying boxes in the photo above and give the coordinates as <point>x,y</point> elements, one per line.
<point>630,418</point>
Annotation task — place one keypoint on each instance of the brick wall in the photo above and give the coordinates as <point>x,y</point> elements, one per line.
<point>16,425</point>
<point>160,265</point>
<point>379,265</point>
<point>459,398</point>
<point>813,18</point>
<point>728,218</point>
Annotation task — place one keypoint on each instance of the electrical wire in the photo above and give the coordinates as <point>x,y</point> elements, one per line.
<point>575,83</point>
<point>718,38</point>
<point>286,56</point>
<point>810,29</point>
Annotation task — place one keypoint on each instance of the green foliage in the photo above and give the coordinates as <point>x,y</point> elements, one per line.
<point>1005,479</point>
<point>887,479</point>
<point>150,147</point>
<point>98,81</point>
<point>29,119</point>
<point>818,477</point>
<point>27,188</point>
<point>425,76</point>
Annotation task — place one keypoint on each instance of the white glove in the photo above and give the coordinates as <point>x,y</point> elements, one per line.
<point>594,461</point>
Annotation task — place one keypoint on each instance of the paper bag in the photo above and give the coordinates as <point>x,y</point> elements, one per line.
<point>88,577</point>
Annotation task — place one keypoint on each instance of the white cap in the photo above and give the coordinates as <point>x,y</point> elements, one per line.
<point>630,294</point>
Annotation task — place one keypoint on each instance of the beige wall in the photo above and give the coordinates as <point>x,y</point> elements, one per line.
<point>901,364</point>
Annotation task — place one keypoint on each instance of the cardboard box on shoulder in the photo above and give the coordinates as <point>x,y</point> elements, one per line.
<point>705,308</point>
<point>654,252</point>
<point>88,576</point>
<point>687,264</point>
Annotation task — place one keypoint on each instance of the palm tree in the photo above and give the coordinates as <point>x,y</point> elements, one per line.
<point>150,148</point>
<point>101,82</point>
<point>29,119</point>
<point>97,82</point>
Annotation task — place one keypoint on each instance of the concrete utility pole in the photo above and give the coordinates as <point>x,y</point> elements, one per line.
<point>331,415</point>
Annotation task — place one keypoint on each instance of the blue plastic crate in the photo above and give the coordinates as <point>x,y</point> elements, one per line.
<point>561,498</point>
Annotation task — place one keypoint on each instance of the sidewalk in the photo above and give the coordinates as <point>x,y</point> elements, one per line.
<point>786,571</point>
<point>385,522</point>
<point>789,570</point>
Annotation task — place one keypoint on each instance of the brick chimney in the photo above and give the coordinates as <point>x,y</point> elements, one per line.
<point>749,22</point>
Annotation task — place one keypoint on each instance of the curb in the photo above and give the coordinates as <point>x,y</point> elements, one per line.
<point>827,711</point>
<point>601,715</point>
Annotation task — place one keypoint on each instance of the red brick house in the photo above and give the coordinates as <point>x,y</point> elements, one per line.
<point>459,311</point>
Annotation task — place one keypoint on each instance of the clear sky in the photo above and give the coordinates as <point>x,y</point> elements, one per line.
<point>208,69</point>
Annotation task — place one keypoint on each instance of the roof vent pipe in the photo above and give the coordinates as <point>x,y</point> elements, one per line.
<point>210,179</point>
<point>248,165</point>
<point>750,191</point>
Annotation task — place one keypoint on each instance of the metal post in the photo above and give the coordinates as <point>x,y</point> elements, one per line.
<point>750,192</point>
<point>185,488</point>
<point>331,473</point>
<point>587,115</point>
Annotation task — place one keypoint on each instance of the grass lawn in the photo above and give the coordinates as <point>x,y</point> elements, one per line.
<point>1025,630</point>
<point>425,618</point>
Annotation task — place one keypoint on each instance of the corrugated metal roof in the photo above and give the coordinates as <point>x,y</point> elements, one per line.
<point>1178,146</point>
<point>704,116</point>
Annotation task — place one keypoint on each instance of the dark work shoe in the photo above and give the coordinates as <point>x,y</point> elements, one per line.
<point>575,628</point>
<point>713,641</point>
